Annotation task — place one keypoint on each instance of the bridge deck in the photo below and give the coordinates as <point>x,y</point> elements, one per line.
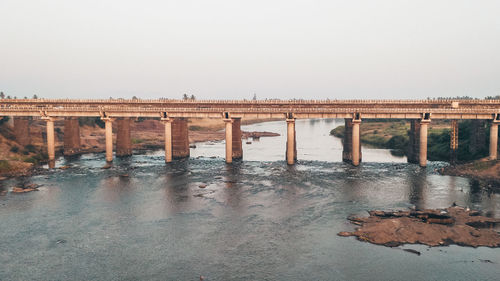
<point>368,109</point>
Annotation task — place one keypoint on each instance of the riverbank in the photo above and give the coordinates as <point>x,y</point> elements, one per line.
<point>480,170</point>
<point>391,135</point>
<point>394,136</point>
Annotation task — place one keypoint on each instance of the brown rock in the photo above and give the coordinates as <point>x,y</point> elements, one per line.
<point>17,189</point>
<point>453,225</point>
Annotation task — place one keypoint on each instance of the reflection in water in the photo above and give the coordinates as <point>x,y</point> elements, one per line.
<point>176,188</point>
<point>475,192</point>
<point>417,180</point>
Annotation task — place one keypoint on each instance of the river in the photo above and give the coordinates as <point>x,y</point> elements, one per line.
<point>257,219</point>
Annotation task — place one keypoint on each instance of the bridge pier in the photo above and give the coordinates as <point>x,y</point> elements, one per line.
<point>417,150</point>
<point>477,140</point>
<point>422,159</point>
<point>22,130</point>
<point>494,140</point>
<point>234,148</point>
<point>414,142</point>
<point>237,143</point>
<point>291,142</point>
<point>229,140</point>
<point>51,145</point>
<point>71,136</point>
<point>351,152</point>
<point>168,139</point>
<point>123,140</point>
<point>453,141</point>
<point>108,127</point>
<point>180,138</point>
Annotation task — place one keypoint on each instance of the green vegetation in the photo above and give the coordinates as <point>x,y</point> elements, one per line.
<point>395,136</point>
<point>195,128</point>
<point>4,119</point>
<point>37,158</point>
<point>4,166</point>
<point>91,121</point>
<point>136,141</point>
<point>481,166</point>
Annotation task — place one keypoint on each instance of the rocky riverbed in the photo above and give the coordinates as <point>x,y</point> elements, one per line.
<point>432,227</point>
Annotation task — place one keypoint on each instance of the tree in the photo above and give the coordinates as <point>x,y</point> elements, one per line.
<point>2,95</point>
<point>35,97</point>
<point>25,97</point>
<point>192,97</point>
<point>134,98</point>
<point>254,96</point>
<point>185,97</point>
<point>8,97</point>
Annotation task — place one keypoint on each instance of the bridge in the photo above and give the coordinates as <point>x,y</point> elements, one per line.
<point>174,114</point>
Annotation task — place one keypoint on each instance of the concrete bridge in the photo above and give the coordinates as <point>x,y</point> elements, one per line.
<point>174,114</point>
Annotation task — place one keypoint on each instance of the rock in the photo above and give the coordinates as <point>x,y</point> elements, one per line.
<point>17,189</point>
<point>124,175</point>
<point>345,234</point>
<point>65,167</point>
<point>202,185</point>
<point>454,225</point>
<point>412,251</point>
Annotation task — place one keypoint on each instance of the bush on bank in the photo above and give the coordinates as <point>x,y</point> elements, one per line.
<point>395,138</point>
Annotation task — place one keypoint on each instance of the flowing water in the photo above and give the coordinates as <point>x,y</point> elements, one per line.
<point>257,219</point>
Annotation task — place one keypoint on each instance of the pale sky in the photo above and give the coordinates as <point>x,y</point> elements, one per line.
<point>232,49</point>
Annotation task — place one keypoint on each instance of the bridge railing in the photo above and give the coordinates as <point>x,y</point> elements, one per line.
<point>268,101</point>
<point>17,108</point>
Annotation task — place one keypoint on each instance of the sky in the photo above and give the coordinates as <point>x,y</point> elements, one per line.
<point>231,49</point>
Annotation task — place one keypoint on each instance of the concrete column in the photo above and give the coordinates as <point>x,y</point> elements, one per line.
<point>347,142</point>
<point>123,140</point>
<point>168,139</point>
<point>494,141</point>
<point>229,140</point>
<point>453,141</point>
<point>356,143</point>
<point>477,137</point>
<point>180,138</point>
<point>71,136</point>
<point>237,144</point>
<point>414,142</point>
<point>22,130</point>
<point>291,155</point>
<point>51,145</point>
<point>109,138</point>
<point>422,160</point>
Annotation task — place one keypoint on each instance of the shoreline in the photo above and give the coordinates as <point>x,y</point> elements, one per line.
<point>483,170</point>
